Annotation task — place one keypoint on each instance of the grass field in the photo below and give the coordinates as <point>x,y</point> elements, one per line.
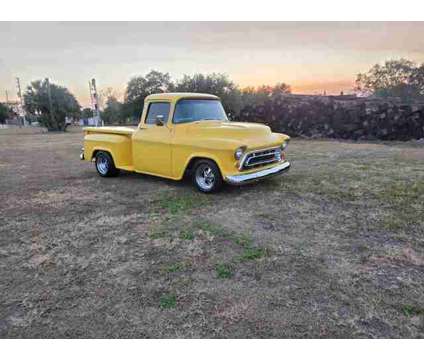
<point>334,248</point>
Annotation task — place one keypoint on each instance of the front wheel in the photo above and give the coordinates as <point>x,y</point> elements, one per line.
<point>105,165</point>
<point>206,176</point>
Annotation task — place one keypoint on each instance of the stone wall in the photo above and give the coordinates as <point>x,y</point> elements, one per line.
<point>344,117</point>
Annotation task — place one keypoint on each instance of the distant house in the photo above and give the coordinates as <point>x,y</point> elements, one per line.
<point>93,121</point>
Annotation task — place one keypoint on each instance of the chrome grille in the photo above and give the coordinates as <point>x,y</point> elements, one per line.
<point>260,158</point>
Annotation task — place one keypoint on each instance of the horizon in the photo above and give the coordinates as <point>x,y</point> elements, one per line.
<point>311,57</point>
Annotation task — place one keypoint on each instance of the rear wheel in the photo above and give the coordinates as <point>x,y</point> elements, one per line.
<point>105,165</point>
<point>206,176</point>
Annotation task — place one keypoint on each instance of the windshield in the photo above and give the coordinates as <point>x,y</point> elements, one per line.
<point>190,110</point>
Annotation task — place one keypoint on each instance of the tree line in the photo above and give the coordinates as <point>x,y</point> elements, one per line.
<point>50,104</point>
<point>233,98</point>
<point>40,97</point>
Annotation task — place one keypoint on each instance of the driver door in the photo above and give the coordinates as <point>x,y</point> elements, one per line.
<point>152,142</point>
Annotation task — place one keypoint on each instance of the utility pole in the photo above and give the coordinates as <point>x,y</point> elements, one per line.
<point>7,98</point>
<point>21,100</point>
<point>49,95</point>
<point>95,102</point>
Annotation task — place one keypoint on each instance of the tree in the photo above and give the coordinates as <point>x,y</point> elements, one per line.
<point>251,96</point>
<point>113,113</point>
<point>257,96</point>
<point>417,80</point>
<point>141,86</point>
<point>4,113</point>
<point>62,101</point>
<point>87,113</point>
<point>216,84</point>
<point>280,89</point>
<point>105,94</point>
<point>396,78</point>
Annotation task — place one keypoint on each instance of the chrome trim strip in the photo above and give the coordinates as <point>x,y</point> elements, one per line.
<point>243,158</point>
<point>245,178</point>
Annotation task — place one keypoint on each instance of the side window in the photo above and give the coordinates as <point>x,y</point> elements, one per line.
<point>155,109</point>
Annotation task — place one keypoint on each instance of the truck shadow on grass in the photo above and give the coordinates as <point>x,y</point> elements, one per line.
<point>186,184</point>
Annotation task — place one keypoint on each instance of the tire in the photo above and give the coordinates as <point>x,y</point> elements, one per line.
<point>206,176</point>
<point>105,165</point>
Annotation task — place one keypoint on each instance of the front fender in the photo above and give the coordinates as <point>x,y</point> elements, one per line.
<point>224,159</point>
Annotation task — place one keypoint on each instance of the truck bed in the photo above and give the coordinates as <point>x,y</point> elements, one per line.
<point>121,130</point>
<point>117,140</point>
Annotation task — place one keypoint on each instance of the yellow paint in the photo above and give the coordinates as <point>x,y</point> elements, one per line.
<point>167,150</point>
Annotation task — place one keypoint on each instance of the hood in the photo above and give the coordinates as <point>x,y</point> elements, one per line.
<point>229,130</point>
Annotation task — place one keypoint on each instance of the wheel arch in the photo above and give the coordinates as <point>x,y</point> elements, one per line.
<point>98,149</point>
<point>188,168</point>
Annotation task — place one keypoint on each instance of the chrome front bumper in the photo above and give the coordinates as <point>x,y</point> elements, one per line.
<point>246,178</point>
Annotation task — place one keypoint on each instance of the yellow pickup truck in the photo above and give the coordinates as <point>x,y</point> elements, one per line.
<point>188,134</point>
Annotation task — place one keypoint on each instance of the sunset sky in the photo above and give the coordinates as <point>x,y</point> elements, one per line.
<point>310,56</point>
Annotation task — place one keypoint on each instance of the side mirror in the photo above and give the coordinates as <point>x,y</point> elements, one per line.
<point>159,120</point>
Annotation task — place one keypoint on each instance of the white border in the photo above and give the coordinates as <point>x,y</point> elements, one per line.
<point>210,349</point>
<point>196,10</point>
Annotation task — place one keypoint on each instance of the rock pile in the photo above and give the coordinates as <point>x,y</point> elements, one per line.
<point>344,117</point>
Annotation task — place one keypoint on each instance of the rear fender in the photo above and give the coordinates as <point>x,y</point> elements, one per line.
<point>119,147</point>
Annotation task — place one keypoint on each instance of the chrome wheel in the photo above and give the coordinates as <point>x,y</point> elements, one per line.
<point>205,177</point>
<point>102,165</point>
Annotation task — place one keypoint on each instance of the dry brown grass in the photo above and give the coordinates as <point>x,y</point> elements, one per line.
<point>335,248</point>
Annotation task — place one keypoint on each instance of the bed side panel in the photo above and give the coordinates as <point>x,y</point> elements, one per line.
<point>119,145</point>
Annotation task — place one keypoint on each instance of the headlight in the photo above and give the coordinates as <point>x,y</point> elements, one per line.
<point>284,144</point>
<point>239,152</point>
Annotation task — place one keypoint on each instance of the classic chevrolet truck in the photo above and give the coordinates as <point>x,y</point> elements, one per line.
<point>188,134</point>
